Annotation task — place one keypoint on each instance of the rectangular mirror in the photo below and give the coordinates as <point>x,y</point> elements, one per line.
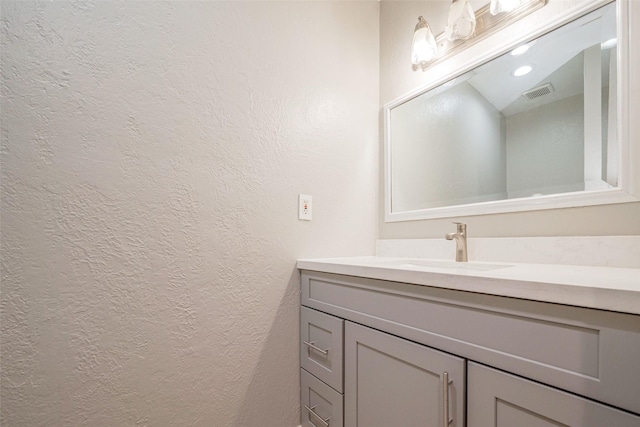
<point>535,128</point>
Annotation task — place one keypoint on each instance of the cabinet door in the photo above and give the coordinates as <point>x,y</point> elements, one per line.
<point>503,400</point>
<point>393,382</point>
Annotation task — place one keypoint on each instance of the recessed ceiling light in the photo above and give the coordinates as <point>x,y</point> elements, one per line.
<point>522,49</point>
<point>609,44</point>
<point>522,71</point>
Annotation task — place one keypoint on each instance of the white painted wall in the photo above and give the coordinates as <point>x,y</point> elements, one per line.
<point>397,78</point>
<point>152,154</point>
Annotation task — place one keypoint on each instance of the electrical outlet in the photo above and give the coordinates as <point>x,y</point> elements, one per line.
<point>304,207</point>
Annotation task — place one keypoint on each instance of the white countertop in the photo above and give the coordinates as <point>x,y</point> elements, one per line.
<point>606,288</point>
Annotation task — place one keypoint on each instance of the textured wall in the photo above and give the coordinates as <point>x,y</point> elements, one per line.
<point>397,77</point>
<point>152,153</point>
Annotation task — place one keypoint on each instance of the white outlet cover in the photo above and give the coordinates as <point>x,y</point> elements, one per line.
<point>304,207</point>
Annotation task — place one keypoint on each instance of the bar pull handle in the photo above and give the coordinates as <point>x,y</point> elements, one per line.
<point>445,399</point>
<point>318,349</point>
<point>311,411</point>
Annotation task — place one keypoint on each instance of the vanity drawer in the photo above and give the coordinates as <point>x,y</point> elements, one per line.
<point>320,405</point>
<point>321,344</point>
<point>499,399</point>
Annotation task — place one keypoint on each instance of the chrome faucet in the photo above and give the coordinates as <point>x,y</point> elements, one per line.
<point>461,241</point>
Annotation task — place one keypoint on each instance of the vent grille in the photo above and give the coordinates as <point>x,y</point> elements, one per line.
<point>539,91</point>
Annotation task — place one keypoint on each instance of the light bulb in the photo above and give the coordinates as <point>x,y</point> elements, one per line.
<point>424,47</point>
<point>498,6</point>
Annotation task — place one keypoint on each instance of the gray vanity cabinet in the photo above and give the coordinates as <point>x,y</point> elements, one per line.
<point>502,400</point>
<point>383,349</point>
<point>394,382</point>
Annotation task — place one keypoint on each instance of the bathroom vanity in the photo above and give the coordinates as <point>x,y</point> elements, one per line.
<point>391,342</point>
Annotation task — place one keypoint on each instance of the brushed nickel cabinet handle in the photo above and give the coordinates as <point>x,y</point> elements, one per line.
<point>445,398</point>
<point>318,349</point>
<point>311,411</point>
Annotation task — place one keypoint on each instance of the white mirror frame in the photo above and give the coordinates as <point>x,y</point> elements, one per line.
<point>628,11</point>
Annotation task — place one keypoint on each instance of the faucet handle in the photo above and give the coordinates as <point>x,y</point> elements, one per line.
<point>461,227</point>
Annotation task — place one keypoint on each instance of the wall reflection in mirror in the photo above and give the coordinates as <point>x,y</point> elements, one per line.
<point>538,120</point>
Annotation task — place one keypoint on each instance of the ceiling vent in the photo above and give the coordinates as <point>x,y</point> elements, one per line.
<point>539,91</point>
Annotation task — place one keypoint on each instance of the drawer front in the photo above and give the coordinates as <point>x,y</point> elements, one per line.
<point>502,400</point>
<point>320,405</point>
<point>589,352</point>
<point>321,344</point>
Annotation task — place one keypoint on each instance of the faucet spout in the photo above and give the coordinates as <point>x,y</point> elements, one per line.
<point>460,236</point>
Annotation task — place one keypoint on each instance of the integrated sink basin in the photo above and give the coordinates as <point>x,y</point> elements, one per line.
<point>444,264</point>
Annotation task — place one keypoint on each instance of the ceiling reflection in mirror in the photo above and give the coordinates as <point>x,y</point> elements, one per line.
<point>502,131</point>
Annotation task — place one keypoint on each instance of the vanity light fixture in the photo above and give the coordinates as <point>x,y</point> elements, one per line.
<point>461,24</point>
<point>522,71</point>
<point>424,47</point>
<point>465,27</point>
<point>499,6</point>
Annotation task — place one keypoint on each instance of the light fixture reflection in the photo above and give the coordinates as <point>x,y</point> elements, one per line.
<point>424,47</point>
<point>462,21</point>
<point>522,49</point>
<point>498,6</point>
<point>522,71</point>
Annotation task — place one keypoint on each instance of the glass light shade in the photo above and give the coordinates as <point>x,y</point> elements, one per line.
<point>424,47</point>
<point>462,21</point>
<point>498,6</point>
